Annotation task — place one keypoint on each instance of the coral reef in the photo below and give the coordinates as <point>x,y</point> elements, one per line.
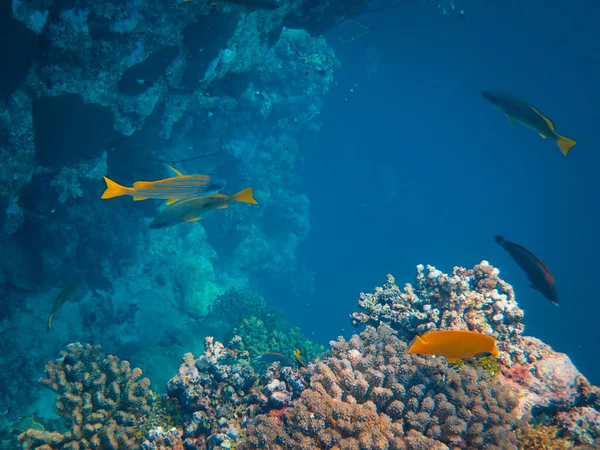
<point>101,397</point>
<point>475,299</point>
<point>369,393</point>
<point>547,384</point>
<point>365,393</point>
<point>121,89</point>
<point>219,391</point>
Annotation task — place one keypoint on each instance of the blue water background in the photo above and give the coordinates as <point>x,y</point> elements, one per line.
<point>414,166</point>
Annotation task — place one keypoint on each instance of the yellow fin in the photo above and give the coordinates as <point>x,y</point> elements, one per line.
<point>418,345</point>
<point>137,199</point>
<point>223,206</point>
<point>179,174</point>
<point>297,353</point>
<point>565,144</point>
<point>543,135</point>
<point>548,122</point>
<point>245,196</point>
<point>143,184</point>
<point>114,189</point>
<point>193,219</point>
<point>171,201</point>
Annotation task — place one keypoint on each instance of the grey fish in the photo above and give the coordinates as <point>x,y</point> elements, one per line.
<point>519,111</point>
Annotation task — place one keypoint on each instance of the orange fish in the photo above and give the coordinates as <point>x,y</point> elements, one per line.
<point>171,189</point>
<point>193,209</point>
<point>454,345</point>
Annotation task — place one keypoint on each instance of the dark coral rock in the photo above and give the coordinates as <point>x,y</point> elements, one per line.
<point>203,40</point>
<point>68,131</point>
<point>231,85</point>
<point>19,54</point>
<point>140,77</point>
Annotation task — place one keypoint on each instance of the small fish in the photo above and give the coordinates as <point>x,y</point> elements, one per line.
<point>171,189</point>
<point>248,6</point>
<point>519,111</point>
<point>297,353</point>
<point>193,209</point>
<point>273,357</point>
<point>454,345</point>
<point>539,276</point>
<point>65,293</point>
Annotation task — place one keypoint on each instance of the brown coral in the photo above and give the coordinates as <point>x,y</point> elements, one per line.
<point>371,394</point>
<point>101,398</point>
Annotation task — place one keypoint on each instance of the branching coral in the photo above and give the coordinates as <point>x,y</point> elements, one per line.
<point>220,390</point>
<point>101,397</point>
<point>369,393</point>
<point>475,299</point>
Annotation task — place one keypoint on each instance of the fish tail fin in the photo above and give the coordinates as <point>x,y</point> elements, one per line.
<point>245,196</point>
<point>418,345</point>
<point>565,144</point>
<point>114,189</point>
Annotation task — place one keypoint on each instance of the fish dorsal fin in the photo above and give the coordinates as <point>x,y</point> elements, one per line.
<point>177,172</point>
<point>171,201</point>
<point>512,121</point>
<point>548,122</point>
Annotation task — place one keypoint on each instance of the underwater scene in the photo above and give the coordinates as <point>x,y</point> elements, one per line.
<point>299,224</point>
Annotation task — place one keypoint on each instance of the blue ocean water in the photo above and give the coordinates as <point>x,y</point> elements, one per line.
<point>416,167</point>
<point>370,150</point>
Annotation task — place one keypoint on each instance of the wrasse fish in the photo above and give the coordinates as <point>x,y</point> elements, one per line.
<point>454,345</point>
<point>273,357</point>
<point>539,276</point>
<point>171,189</point>
<point>519,111</point>
<point>66,292</point>
<point>194,209</point>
